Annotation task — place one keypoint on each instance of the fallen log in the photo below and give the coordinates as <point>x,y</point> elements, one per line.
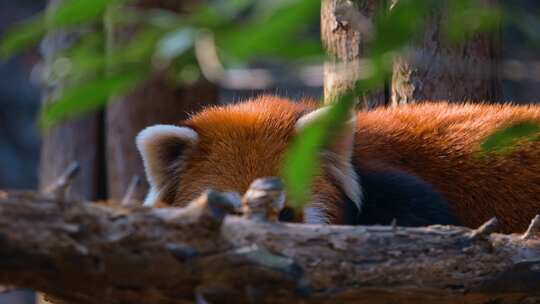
<point>83,252</point>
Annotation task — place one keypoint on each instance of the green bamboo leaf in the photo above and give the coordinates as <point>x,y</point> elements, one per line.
<point>87,59</point>
<point>273,34</point>
<point>87,97</point>
<point>73,12</point>
<point>76,12</point>
<point>505,140</point>
<point>302,165</point>
<point>302,161</point>
<point>87,56</point>
<point>21,36</point>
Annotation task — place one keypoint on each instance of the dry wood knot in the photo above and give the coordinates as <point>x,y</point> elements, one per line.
<point>264,199</point>
<point>533,232</point>
<point>220,204</point>
<point>348,17</point>
<point>58,190</point>
<point>212,207</point>
<point>485,230</point>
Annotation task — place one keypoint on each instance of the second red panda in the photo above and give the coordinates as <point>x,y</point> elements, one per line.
<point>417,164</point>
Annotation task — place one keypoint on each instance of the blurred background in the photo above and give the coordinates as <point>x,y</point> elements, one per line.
<point>20,90</point>
<point>19,100</point>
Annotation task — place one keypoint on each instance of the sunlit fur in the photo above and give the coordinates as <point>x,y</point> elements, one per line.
<point>437,142</point>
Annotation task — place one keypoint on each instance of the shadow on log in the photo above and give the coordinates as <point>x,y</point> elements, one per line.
<point>96,253</point>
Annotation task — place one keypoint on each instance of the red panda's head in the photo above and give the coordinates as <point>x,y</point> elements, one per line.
<point>226,148</point>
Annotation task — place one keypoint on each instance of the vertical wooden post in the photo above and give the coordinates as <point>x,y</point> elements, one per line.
<point>78,140</point>
<point>158,101</point>
<point>345,28</point>
<point>436,70</point>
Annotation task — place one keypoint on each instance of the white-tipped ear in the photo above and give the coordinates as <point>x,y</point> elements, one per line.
<point>163,149</point>
<point>338,154</point>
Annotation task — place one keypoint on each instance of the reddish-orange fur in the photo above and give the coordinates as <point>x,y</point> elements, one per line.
<point>440,143</point>
<point>435,141</point>
<point>238,143</point>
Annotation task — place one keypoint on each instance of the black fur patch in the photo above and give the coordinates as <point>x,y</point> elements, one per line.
<point>390,195</point>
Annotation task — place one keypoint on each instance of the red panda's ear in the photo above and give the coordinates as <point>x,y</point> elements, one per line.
<point>338,155</point>
<point>163,149</point>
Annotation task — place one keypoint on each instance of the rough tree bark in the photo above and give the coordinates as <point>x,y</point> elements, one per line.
<point>437,70</point>
<point>89,253</point>
<point>77,140</point>
<point>345,27</point>
<point>158,101</point>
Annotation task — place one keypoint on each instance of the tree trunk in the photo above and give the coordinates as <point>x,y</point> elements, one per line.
<point>77,140</point>
<point>158,101</point>
<point>434,69</point>
<point>345,28</point>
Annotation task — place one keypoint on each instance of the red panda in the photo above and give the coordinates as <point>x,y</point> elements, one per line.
<point>415,163</point>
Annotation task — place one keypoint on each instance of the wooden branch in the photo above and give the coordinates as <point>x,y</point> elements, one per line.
<point>91,253</point>
<point>59,188</point>
<point>131,190</point>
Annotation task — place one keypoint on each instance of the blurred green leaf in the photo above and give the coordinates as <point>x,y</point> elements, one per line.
<point>87,56</point>
<point>70,13</point>
<point>272,34</point>
<point>21,37</point>
<point>302,165</point>
<point>467,17</point>
<point>302,161</point>
<point>86,97</point>
<point>505,140</point>
<point>77,12</point>
<point>139,50</point>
